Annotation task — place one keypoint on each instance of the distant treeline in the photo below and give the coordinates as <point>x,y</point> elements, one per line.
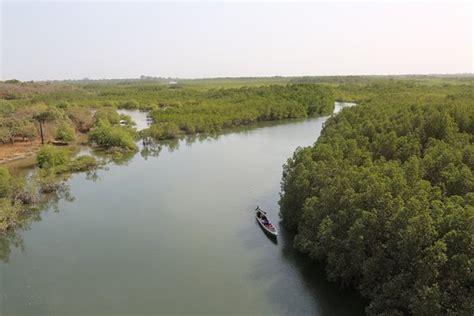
<point>385,197</point>
<point>214,110</point>
<point>176,109</point>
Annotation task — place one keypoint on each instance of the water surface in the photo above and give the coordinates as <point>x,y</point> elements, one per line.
<point>173,232</point>
<point>139,117</point>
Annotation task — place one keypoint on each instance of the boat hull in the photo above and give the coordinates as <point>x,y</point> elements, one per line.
<point>265,229</point>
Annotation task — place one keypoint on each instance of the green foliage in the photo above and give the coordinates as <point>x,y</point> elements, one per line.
<point>4,135</point>
<point>13,81</point>
<point>192,108</point>
<point>167,130</point>
<point>51,157</point>
<point>126,120</point>
<point>19,193</point>
<point>65,133</point>
<point>26,130</point>
<point>45,116</point>
<point>130,105</point>
<point>9,214</point>
<point>12,128</point>
<point>108,114</point>
<point>385,198</point>
<point>5,182</point>
<point>83,163</point>
<point>63,105</point>
<point>106,136</point>
<point>7,130</point>
<point>55,161</point>
<point>214,110</point>
<point>203,106</point>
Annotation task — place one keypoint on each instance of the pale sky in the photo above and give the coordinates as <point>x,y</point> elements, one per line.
<point>64,40</point>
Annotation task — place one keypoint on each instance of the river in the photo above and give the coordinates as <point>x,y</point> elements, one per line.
<point>172,231</point>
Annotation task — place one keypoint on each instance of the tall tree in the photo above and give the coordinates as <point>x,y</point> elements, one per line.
<point>42,118</point>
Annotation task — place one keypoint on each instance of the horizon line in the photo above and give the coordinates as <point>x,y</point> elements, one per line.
<point>149,77</point>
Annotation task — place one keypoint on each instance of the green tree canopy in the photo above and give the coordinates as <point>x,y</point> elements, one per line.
<point>385,199</point>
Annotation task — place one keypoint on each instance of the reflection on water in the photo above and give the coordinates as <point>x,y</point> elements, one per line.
<point>9,240</point>
<point>13,238</point>
<point>152,148</point>
<point>172,231</point>
<point>139,117</point>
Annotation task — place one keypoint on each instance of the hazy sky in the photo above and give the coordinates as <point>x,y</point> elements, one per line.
<point>63,40</point>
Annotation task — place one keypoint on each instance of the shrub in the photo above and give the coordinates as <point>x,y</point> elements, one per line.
<point>126,120</point>
<point>171,130</point>
<point>5,182</point>
<point>83,163</point>
<point>165,130</point>
<point>131,105</point>
<point>25,191</point>
<point>65,133</point>
<point>9,214</point>
<point>51,157</point>
<point>12,127</point>
<point>44,117</point>
<point>63,105</point>
<point>5,134</point>
<point>27,130</point>
<point>106,136</point>
<point>108,114</point>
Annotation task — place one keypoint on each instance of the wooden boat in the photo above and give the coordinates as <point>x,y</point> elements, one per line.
<point>262,219</point>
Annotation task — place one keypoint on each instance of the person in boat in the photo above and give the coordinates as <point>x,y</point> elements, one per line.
<point>259,210</point>
<point>262,217</point>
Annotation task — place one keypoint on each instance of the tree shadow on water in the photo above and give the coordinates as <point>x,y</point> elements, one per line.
<point>48,200</point>
<point>8,241</point>
<point>299,285</point>
<point>12,238</point>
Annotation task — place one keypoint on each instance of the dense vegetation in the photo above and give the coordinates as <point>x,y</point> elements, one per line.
<point>218,109</point>
<point>108,136</point>
<point>385,198</point>
<point>176,110</point>
<point>59,160</point>
<point>108,133</point>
